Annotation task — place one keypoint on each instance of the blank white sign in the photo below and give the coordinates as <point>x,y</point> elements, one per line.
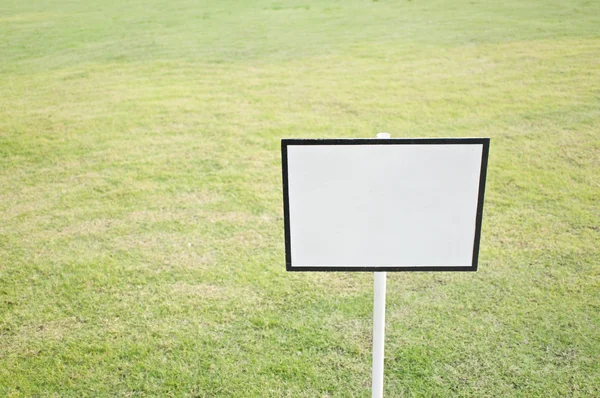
<point>384,204</point>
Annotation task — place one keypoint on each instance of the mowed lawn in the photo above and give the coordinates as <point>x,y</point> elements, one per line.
<point>141,222</point>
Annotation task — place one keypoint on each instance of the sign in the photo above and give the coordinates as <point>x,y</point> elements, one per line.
<point>383,204</point>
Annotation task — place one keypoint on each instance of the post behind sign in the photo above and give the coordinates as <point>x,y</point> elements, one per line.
<point>378,326</point>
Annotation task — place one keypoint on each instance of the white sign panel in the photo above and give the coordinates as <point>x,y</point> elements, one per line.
<point>383,204</point>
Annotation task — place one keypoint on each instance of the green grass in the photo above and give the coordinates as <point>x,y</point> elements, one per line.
<point>141,231</point>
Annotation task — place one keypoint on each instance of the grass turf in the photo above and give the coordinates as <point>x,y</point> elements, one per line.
<point>141,233</point>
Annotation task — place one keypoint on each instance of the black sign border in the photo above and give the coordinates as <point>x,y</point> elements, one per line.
<point>285,142</point>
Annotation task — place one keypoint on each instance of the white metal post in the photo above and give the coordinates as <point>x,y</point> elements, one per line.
<point>378,334</point>
<point>378,326</point>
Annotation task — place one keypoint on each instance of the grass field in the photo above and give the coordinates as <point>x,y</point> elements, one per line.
<point>141,228</point>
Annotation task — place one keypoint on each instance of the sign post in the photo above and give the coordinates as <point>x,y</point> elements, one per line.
<point>378,334</point>
<point>379,288</point>
<point>381,205</point>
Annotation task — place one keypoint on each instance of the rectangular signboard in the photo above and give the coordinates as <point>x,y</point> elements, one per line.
<point>383,204</point>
